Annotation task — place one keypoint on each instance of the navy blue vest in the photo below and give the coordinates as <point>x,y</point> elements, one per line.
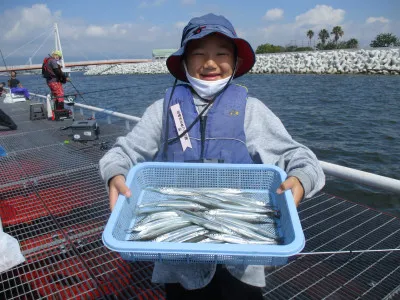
<point>224,139</point>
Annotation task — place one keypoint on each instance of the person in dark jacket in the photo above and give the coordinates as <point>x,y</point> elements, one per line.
<point>55,78</point>
<point>16,87</point>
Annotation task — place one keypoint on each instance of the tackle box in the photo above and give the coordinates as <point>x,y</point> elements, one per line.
<point>262,180</point>
<point>85,130</point>
<point>36,111</point>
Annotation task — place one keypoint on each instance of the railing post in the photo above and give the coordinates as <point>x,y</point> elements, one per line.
<point>48,107</point>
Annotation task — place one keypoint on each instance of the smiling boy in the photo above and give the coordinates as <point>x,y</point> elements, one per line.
<point>221,124</point>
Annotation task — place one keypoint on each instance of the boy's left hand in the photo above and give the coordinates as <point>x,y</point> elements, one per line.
<point>294,184</point>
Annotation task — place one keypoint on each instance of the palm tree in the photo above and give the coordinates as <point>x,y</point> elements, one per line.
<point>352,43</point>
<point>310,35</point>
<point>337,32</point>
<point>323,35</point>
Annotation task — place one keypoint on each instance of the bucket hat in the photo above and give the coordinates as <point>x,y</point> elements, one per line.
<point>198,28</point>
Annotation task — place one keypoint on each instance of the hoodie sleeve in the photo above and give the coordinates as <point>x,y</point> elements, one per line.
<point>140,145</point>
<point>269,142</point>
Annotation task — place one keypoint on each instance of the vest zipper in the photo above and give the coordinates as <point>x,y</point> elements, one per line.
<point>203,120</point>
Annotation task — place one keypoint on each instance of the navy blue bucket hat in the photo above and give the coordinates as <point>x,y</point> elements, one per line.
<point>198,28</point>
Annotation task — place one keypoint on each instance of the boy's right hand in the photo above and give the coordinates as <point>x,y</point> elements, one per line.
<point>117,186</point>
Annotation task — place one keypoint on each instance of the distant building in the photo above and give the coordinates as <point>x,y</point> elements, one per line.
<point>162,54</point>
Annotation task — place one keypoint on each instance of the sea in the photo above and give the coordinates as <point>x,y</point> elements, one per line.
<point>349,120</point>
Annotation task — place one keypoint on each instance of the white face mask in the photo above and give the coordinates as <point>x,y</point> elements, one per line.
<point>204,88</point>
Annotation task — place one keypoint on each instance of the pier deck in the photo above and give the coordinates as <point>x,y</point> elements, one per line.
<point>53,201</point>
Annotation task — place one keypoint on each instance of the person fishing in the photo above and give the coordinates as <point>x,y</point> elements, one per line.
<point>55,78</point>
<point>224,124</point>
<point>16,87</point>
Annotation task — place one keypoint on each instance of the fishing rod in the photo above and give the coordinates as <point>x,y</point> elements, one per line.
<point>348,251</point>
<point>79,93</point>
<point>4,61</point>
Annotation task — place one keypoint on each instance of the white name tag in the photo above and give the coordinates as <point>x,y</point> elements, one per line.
<point>180,126</point>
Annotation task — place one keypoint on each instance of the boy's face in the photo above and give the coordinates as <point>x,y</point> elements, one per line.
<point>210,58</point>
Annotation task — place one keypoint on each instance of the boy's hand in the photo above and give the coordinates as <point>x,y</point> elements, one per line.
<point>294,184</point>
<point>117,186</point>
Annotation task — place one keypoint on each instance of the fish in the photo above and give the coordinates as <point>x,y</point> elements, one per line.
<point>154,224</point>
<point>241,215</point>
<point>255,228</point>
<point>241,230</point>
<point>190,236</point>
<point>201,221</point>
<point>157,216</point>
<point>152,233</point>
<point>238,199</point>
<point>210,241</point>
<point>234,239</point>
<point>172,191</point>
<point>215,202</point>
<point>174,204</point>
<point>178,233</point>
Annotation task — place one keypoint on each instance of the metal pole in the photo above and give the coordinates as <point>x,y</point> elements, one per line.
<point>361,177</point>
<point>58,45</point>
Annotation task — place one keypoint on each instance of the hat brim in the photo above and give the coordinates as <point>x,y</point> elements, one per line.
<point>244,51</point>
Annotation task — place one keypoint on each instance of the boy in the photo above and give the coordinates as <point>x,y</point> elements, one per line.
<point>223,124</point>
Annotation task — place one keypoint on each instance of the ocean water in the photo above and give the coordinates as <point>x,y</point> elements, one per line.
<point>350,120</point>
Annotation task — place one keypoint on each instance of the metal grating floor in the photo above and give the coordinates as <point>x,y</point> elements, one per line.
<point>54,203</point>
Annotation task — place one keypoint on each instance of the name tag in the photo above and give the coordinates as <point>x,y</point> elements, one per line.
<point>180,126</point>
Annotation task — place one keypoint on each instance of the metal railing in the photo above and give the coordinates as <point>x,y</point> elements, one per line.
<point>350,174</point>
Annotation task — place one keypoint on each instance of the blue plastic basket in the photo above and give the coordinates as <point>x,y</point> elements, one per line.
<point>254,178</point>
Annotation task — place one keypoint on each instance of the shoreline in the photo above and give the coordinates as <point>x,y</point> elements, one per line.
<point>371,62</point>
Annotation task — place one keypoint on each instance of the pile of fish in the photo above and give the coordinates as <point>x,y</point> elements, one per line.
<point>204,216</point>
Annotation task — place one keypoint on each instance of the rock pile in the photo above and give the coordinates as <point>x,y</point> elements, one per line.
<point>382,61</point>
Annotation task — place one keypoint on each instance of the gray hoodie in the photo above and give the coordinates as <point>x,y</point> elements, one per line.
<point>267,141</point>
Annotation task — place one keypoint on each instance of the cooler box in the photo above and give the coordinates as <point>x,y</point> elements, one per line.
<point>37,111</point>
<point>260,180</point>
<point>85,130</point>
<point>60,114</point>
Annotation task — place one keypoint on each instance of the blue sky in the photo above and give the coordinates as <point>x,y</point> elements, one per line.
<point>100,29</point>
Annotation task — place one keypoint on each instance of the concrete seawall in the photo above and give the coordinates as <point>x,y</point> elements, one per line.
<point>382,61</point>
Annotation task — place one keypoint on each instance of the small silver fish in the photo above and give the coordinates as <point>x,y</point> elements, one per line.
<point>172,191</point>
<point>190,236</point>
<point>241,215</point>
<point>255,228</point>
<point>201,221</point>
<point>153,233</point>
<point>174,204</point>
<point>178,233</point>
<point>210,241</point>
<point>157,216</point>
<point>154,224</point>
<point>241,230</point>
<point>233,239</point>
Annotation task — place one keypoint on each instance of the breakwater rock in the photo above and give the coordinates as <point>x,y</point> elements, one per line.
<point>382,61</point>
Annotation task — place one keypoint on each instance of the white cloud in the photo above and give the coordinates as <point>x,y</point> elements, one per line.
<point>321,15</point>
<point>273,14</point>
<point>376,19</point>
<point>93,30</point>
<point>188,2</point>
<point>21,22</point>
<point>180,25</point>
<point>151,3</point>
